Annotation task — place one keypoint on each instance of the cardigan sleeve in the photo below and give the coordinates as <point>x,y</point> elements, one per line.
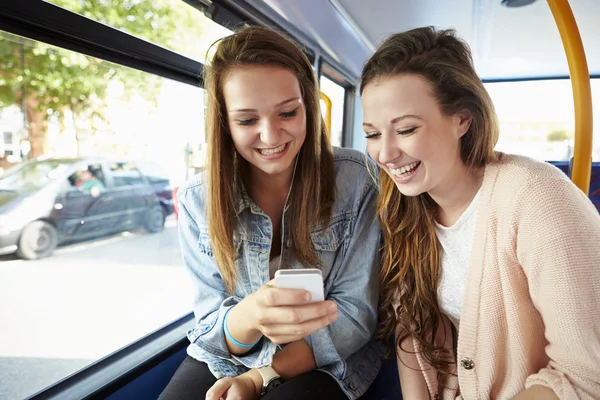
<point>558,246</point>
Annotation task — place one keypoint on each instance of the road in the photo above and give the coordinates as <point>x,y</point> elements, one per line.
<point>61,313</point>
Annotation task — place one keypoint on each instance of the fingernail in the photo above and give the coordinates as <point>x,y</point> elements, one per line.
<point>332,306</point>
<point>307,296</point>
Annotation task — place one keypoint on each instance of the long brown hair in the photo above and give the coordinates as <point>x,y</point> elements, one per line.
<point>312,195</point>
<point>411,259</point>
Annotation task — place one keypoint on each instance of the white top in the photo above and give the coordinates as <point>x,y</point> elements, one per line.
<point>456,242</point>
<point>273,266</point>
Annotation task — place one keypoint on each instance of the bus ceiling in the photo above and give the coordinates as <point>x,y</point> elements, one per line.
<point>510,39</point>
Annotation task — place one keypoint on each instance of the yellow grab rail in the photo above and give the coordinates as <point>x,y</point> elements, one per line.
<point>327,116</point>
<point>582,93</point>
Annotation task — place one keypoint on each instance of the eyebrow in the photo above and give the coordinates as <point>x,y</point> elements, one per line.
<point>276,105</point>
<point>393,121</point>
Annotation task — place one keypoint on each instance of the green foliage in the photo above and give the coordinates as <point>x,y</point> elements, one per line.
<point>59,79</point>
<point>559,136</point>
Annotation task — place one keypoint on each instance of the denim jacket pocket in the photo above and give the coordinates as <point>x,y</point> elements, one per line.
<point>329,239</point>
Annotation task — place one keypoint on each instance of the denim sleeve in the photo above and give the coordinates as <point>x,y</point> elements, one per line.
<point>211,300</point>
<point>355,289</point>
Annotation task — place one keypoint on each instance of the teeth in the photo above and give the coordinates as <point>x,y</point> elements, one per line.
<point>405,170</point>
<point>269,152</point>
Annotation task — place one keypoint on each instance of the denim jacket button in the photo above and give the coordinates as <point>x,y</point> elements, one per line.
<point>353,386</point>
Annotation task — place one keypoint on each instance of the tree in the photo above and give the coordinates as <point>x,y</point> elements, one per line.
<point>46,81</point>
<point>559,136</point>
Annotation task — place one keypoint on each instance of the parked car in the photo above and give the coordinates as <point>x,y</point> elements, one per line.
<point>47,202</point>
<point>161,183</point>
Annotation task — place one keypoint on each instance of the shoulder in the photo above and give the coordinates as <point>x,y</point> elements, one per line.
<point>343,156</point>
<point>192,192</point>
<point>523,169</point>
<point>353,167</point>
<point>533,187</point>
<point>355,181</point>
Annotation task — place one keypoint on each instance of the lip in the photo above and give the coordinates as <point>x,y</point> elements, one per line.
<point>407,179</point>
<point>390,166</point>
<point>275,156</point>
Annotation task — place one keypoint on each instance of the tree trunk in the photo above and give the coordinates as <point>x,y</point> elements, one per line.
<point>38,127</point>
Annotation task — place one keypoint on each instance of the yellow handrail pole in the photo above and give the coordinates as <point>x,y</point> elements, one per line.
<point>328,107</point>
<point>582,93</point>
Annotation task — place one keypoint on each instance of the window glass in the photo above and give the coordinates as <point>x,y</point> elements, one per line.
<point>125,174</point>
<point>336,94</point>
<point>87,267</point>
<point>153,172</point>
<point>172,24</point>
<point>537,118</point>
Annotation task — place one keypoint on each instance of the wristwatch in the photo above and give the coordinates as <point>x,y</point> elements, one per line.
<point>271,379</point>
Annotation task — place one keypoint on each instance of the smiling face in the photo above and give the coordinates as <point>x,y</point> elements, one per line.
<point>266,117</point>
<point>410,137</point>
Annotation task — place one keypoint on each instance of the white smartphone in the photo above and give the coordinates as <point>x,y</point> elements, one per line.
<point>310,279</point>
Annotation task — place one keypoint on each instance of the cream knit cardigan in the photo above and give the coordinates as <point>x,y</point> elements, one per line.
<point>531,308</point>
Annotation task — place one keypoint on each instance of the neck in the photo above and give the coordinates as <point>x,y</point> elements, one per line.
<point>270,192</point>
<point>273,185</point>
<point>456,194</point>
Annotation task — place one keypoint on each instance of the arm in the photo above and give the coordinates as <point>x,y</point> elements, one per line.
<point>557,236</point>
<point>418,379</point>
<point>537,392</point>
<point>278,314</point>
<point>295,359</point>
<point>354,287</point>
<point>265,312</point>
<point>412,381</point>
<point>211,298</point>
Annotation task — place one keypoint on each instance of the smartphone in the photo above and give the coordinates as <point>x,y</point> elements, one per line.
<point>310,279</point>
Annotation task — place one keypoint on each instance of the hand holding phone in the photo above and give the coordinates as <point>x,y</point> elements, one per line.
<point>284,315</point>
<point>309,279</point>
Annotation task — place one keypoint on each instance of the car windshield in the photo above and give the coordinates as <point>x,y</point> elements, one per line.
<point>32,175</point>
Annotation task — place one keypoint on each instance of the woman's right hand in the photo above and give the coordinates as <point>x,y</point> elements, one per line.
<point>285,315</point>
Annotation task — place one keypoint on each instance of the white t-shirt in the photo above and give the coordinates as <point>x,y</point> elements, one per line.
<point>273,266</point>
<point>456,241</point>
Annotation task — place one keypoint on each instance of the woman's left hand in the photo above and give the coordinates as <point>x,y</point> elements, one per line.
<point>242,387</point>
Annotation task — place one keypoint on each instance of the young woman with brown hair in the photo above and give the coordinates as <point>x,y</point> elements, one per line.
<point>490,278</point>
<point>276,195</point>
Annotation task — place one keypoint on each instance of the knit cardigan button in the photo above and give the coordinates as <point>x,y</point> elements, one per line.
<point>467,363</point>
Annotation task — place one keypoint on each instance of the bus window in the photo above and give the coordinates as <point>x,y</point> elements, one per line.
<point>336,94</point>
<point>110,280</point>
<point>155,21</point>
<point>539,122</point>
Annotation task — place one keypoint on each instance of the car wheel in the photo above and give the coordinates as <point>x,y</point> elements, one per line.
<point>38,240</point>
<point>155,219</point>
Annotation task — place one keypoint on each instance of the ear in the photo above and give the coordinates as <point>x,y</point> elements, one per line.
<point>464,123</point>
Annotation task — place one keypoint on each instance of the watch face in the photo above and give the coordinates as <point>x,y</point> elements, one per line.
<point>272,385</point>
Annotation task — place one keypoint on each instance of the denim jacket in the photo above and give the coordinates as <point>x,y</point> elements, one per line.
<point>349,251</point>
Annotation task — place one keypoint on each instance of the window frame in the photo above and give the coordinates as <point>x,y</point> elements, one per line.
<point>350,92</point>
<point>51,24</point>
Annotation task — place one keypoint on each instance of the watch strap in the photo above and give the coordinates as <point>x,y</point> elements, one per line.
<point>268,374</point>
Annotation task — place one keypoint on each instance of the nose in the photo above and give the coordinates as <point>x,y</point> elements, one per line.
<point>271,133</point>
<point>390,150</point>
